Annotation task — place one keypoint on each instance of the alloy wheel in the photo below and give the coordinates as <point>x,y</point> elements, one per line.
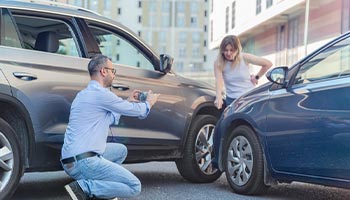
<point>204,149</point>
<point>6,161</point>
<point>240,160</point>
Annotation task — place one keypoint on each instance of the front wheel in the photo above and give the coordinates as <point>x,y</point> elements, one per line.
<point>243,162</point>
<point>10,161</point>
<point>196,164</point>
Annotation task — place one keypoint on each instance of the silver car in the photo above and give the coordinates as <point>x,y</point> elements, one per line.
<point>44,52</point>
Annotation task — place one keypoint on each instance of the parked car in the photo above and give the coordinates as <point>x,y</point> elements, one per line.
<point>45,49</point>
<point>294,128</point>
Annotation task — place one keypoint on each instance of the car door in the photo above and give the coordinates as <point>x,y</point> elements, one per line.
<point>136,69</point>
<point>42,63</point>
<point>309,122</point>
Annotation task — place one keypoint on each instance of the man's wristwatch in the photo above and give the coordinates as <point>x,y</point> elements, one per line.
<point>257,77</point>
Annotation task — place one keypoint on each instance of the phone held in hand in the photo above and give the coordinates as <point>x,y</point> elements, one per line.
<point>142,96</point>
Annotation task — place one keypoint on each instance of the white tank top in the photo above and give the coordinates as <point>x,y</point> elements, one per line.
<point>237,79</point>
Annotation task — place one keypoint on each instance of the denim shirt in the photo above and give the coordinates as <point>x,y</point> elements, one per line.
<point>93,110</point>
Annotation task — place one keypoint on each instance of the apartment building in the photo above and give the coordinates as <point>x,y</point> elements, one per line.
<point>283,31</point>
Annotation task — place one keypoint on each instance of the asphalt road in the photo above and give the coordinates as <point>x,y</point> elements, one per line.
<point>161,181</point>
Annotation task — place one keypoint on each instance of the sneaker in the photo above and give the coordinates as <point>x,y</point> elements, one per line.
<point>75,192</point>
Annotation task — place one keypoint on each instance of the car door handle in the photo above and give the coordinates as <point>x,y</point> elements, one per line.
<point>120,87</point>
<point>25,76</point>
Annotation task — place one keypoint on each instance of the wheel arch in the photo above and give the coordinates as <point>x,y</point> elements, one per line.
<point>17,116</point>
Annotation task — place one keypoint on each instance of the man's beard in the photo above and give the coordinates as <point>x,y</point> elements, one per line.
<point>108,83</point>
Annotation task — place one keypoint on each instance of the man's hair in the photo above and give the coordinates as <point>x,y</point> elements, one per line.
<point>96,63</point>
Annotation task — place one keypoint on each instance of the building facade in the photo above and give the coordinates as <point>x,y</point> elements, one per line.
<point>282,31</point>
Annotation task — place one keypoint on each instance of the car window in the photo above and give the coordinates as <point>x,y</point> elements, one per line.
<point>120,50</point>
<point>9,35</point>
<point>333,62</point>
<point>48,35</point>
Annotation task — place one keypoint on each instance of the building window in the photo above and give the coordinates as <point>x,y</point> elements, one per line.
<point>193,21</point>
<point>204,58</point>
<point>269,3</point>
<point>293,30</point>
<point>194,7</point>
<point>212,6</point>
<point>140,19</point>
<point>166,20</point>
<point>211,31</point>
<point>196,37</point>
<point>205,28</point>
<point>119,11</point>
<point>205,13</point>
<point>152,6</point>
<point>107,5</point>
<point>183,37</point>
<point>140,4</point>
<point>204,43</point>
<point>258,6</point>
<point>180,7</point>
<point>233,13</point>
<point>180,21</point>
<point>182,52</point>
<point>139,33</point>
<point>226,20</point>
<point>162,37</point>
<point>166,6</point>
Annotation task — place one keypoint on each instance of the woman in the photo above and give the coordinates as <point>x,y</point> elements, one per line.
<point>231,70</point>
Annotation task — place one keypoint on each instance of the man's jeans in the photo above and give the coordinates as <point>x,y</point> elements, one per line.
<point>103,176</point>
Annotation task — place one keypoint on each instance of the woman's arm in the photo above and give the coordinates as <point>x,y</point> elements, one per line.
<point>260,61</point>
<point>219,83</point>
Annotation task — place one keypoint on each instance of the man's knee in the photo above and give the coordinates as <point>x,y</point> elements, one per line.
<point>136,188</point>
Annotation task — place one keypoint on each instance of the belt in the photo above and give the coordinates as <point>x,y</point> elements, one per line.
<point>78,157</point>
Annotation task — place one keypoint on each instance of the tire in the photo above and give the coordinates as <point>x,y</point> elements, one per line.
<point>199,142</point>
<point>243,162</point>
<point>11,167</point>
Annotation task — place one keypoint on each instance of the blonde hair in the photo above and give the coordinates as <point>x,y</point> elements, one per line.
<point>236,44</point>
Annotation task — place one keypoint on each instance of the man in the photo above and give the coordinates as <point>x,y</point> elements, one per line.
<point>86,156</point>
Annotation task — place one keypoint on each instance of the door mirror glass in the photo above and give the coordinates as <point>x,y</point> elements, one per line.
<point>277,75</point>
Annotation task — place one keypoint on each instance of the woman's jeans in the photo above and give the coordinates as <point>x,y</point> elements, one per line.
<point>229,100</point>
<point>102,176</point>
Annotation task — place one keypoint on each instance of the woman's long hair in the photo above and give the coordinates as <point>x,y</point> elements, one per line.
<point>236,44</point>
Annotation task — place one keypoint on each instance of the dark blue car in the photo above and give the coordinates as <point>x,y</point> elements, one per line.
<point>294,128</point>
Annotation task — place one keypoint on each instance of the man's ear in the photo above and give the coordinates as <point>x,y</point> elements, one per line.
<point>103,72</point>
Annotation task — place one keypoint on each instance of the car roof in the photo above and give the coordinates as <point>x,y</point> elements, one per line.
<point>67,10</point>
<point>61,9</point>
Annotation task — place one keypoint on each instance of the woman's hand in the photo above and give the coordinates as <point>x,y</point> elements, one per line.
<point>218,103</point>
<point>253,80</point>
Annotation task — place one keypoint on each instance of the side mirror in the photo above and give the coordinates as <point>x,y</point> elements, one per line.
<point>166,62</point>
<point>277,75</point>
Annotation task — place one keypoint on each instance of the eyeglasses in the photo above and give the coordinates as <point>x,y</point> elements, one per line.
<point>113,70</point>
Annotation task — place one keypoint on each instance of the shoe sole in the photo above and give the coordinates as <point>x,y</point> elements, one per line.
<point>70,192</point>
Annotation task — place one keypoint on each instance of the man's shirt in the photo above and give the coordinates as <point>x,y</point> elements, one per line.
<point>93,110</point>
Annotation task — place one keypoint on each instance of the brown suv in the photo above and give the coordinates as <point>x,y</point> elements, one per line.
<point>45,50</point>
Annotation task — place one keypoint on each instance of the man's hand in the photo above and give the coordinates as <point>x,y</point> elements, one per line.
<point>134,96</point>
<point>152,98</point>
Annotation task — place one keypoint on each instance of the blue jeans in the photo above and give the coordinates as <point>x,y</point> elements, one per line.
<point>103,176</point>
<point>229,100</point>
